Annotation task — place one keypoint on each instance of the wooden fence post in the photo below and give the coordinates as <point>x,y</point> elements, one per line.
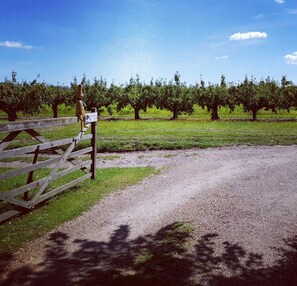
<point>94,146</point>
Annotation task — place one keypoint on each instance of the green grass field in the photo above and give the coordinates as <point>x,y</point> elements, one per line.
<point>148,135</point>
<point>120,132</point>
<point>130,135</point>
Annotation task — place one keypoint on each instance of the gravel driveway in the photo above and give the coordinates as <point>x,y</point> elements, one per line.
<point>238,198</point>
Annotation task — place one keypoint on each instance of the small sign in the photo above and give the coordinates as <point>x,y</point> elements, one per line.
<point>91,117</point>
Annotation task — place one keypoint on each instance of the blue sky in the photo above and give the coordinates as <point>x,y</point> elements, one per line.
<point>153,38</point>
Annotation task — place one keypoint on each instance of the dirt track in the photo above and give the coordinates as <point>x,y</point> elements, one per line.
<point>240,196</point>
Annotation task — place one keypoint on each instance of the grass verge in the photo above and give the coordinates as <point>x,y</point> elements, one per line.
<point>131,135</point>
<point>14,234</point>
<point>118,136</point>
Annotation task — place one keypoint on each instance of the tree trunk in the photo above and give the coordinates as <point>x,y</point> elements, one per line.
<point>214,113</point>
<point>12,115</point>
<point>136,113</point>
<point>254,115</point>
<point>175,114</point>
<point>55,110</point>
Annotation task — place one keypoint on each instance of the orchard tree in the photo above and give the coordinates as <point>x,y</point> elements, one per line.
<point>249,97</point>
<point>176,97</point>
<point>113,93</point>
<point>287,94</point>
<point>293,93</point>
<point>233,98</point>
<point>150,92</point>
<point>136,94</point>
<point>270,90</point>
<point>256,96</point>
<point>96,93</point>
<point>57,95</point>
<point>214,96</point>
<point>26,97</point>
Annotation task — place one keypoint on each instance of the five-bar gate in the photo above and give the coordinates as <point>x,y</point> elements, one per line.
<point>30,194</point>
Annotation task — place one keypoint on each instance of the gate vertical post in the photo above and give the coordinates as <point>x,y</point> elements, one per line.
<point>94,146</point>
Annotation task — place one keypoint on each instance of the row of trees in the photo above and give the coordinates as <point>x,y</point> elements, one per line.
<point>31,97</point>
<point>174,95</point>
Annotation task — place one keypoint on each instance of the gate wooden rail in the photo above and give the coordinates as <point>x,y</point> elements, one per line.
<point>19,197</point>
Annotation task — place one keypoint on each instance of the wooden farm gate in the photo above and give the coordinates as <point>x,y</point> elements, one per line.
<point>20,197</point>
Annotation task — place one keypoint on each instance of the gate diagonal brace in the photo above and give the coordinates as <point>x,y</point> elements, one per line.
<point>58,151</point>
<point>54,171</point>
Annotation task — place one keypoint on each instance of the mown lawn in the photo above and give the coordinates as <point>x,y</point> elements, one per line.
<point>131,135</point>
<point>120,132</point>
<point>143,135</point>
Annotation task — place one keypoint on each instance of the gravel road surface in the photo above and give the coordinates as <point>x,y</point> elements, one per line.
<point>244,197</point>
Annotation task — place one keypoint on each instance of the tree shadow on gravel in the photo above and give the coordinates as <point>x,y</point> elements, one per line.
<point>168,257</point>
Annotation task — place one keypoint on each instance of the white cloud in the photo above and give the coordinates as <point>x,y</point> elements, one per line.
<point>259,16</point>
<point>222,57</point>
<point>291,59</point>
<point>279,1</point>
<point>247,36</point>
<point>292,11</point>
<point>16,45</point>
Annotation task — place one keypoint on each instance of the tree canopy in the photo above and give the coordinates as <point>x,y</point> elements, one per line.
<point>174,95</point>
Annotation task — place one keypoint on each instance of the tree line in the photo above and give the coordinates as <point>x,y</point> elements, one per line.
<point>173,95</point>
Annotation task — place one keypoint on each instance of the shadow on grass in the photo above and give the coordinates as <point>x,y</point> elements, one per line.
<point>168,257</point>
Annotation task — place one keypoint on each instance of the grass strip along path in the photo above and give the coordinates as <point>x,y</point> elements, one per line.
<point>14,234</point>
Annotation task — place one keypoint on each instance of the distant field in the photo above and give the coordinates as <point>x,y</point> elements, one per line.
<point>199,113</point>
<point>120,132</point>
<point>131,135</point>
<point>143,135</point>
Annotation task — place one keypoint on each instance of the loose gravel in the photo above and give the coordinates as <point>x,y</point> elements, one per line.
<point>245,195</point>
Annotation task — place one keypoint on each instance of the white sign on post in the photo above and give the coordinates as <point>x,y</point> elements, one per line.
<point>91,117</point>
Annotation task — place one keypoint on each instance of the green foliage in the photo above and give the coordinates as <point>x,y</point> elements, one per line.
<point>136,94</point>
<point>176,97</point>
<point>255,96</point>
<point>28,97</point>
<point>96,93</point>
<point>57,95</point>
<point>113,94</point>
<point>287,94</point>
<point>215,96</point>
